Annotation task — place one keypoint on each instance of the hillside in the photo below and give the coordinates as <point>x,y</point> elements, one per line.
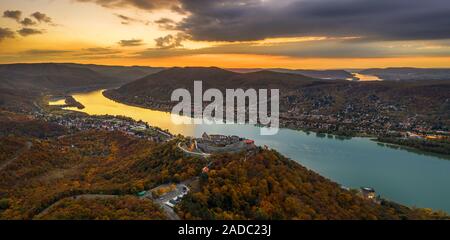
<point>123,73</point>
<point>212,77</point>
<point>269,186</point>
<point>155,90</point>
<point>320,74</point>
<point>409,74</point>
<point>50,76</point>
<point>21,85</point>
<point>44,170</point>
<point>116,208</point>
<point>68,76</point>
<point>54,170</point>
<point>18,100</point>
<point>335,106</point>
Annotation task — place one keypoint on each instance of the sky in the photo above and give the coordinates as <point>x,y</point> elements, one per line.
<point>297,34</point>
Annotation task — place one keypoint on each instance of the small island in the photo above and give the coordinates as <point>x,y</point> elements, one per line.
<point>72,102</point>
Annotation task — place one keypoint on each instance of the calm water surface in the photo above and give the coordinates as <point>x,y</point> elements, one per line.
<point>363,77</point>
<point>410,178</point>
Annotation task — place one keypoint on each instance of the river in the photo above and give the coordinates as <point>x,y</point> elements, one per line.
<point>363,77</point>
<point>407,177</point>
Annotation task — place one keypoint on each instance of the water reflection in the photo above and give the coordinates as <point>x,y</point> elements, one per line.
<point>363,77</point>
<point>404,175</point>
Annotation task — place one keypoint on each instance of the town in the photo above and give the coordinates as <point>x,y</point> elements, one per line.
<point>77,122</point>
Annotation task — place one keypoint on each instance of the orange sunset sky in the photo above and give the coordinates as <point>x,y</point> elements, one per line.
<point>232,34</point>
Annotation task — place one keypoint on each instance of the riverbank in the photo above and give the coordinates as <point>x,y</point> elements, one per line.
<point>401,175</point>
<point>441,147</point>
<point>293,125</point>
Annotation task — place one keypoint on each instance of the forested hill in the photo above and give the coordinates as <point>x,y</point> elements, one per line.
<point>123,73</point>
<point>160,85</point>
<point>67,76</point>
<point>409,74</point>
<point>309,103</point>
<point>269,186</point>
<point>41,165</point>
<point>321,74</point>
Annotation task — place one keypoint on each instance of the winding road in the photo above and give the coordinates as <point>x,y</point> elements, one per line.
<point>170,213</point>
<point>205,155</point>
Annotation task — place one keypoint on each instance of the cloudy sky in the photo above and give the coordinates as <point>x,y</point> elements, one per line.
<point>317,34</point>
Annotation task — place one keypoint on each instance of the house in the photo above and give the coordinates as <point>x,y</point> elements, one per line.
<point>249,142</point>
<point>368,193</point>
<point>205,136</point>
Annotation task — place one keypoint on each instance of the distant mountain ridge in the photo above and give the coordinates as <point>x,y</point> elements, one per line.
<point>125,73</point>
<point>67,76</point>
<point>309,103</point>
<point>405,74</point>
<point>160,85</point>
<point>49,76</point>
<point>322,74</point>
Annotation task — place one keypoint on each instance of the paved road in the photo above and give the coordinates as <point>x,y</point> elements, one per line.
<point>193,153</point>
<point>170,213</point>
<point>161,201</point>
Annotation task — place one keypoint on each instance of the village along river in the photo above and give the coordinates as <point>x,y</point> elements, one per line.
<point>408,177</point>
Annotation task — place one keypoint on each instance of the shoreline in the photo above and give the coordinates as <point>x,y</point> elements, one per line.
<point>368,139</point>
<point>372,137</point>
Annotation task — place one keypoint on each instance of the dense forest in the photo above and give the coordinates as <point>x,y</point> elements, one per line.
<point>44,169</point>
<point>117,208</point>
<point>269,186</point>
<point>440,146</point>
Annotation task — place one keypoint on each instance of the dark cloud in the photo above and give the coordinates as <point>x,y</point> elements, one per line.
<point>128,20</point>
<point>171,41</point>
<point>13,14</point>
<point>229,20</point>
<point>246,20</point>
<point>125,19</point>
<point>131,43</point>
<point>27,22</point>
<point>166,23</point>
<point>98,51</point>
<point>41,17</point>
<point>46,52</point>
<point>29,31</point>
<point>178,9</point>
<point>327,48</point>
<point>6,33</point>
<point>142,4</point>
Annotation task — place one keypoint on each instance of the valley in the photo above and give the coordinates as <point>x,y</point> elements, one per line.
<point>91,145</point>
<point>352,162</point>
<point>379,109</point>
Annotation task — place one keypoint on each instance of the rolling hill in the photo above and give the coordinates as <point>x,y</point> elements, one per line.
<point>67,76</point>
<point>159,86</point>
<point>338,106</point>
<point>54,169</point>
<point>49,76</point>
<point>409,74</point>
<point>321,74</point>
<point>123,73</point>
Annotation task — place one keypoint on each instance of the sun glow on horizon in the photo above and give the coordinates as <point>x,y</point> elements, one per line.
<point>91,33</point>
